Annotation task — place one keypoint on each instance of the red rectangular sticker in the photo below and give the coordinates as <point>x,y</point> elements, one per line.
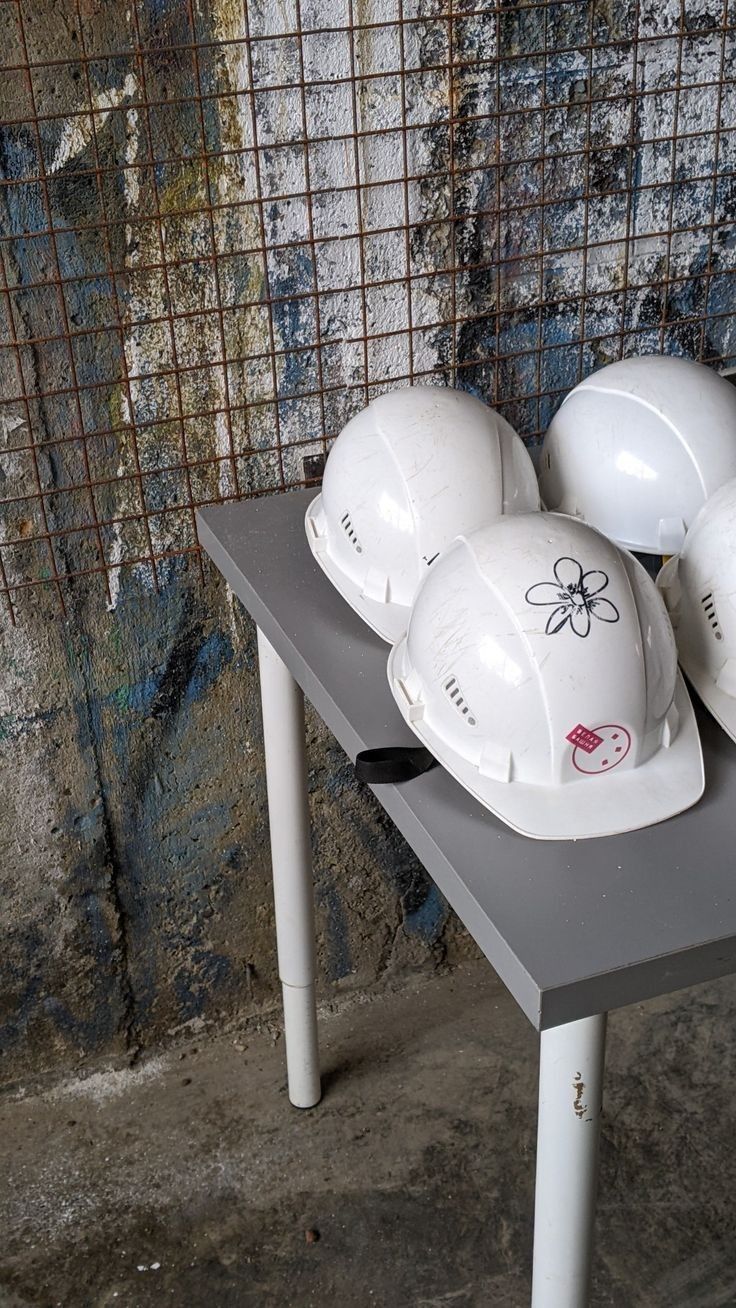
<point>582,738</point>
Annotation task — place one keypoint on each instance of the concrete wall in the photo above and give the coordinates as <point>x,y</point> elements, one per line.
<point>133,847</point>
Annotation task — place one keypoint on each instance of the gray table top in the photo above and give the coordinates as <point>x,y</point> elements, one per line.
<point>572,927</point>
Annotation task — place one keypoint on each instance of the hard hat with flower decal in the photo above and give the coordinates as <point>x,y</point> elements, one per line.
<point>637,447</point>
<point>404,477</point>
<point>699,589</point>
<point>539,667</point>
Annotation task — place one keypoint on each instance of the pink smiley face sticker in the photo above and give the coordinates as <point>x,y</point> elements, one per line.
<point>612,745</point>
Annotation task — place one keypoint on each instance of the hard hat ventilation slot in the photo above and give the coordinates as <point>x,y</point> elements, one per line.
<point>709,608</point>
<point>349,530</point>
<point>456,697</point>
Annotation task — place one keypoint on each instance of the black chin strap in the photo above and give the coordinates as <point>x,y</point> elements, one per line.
<point>393,764</point>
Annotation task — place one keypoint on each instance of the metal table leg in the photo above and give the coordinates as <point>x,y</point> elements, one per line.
<point>570,1093</point>
<point>291,857</point>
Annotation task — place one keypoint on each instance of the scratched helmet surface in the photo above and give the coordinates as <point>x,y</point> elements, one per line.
<point>404,477</point>
<point>539,666</point>
<point>638,447</point>
<point>699,589</point>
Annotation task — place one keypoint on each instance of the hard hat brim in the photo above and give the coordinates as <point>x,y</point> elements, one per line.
<point>720,705</point>
<point>606,805</point>
<point>389,621</point>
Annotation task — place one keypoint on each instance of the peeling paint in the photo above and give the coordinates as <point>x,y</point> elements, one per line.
<point>580,1108</point>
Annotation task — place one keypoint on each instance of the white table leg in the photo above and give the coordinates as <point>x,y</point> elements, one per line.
<point>291,858</point>
<point>570,1093</point>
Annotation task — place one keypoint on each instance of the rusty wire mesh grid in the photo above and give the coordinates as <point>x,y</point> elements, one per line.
<point>225,226</point>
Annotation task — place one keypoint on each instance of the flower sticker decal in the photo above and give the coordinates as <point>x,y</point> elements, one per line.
<point>574,597</point>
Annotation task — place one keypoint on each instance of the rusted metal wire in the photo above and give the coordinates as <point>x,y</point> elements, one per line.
<point>471,219</point>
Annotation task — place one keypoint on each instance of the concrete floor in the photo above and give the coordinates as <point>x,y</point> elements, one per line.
<point>191,1181</point>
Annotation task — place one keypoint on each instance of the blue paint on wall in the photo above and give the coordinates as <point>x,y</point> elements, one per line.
<point>339,959</point>
<point>428,920</point>
<point>37,984</point>
<point>204,975</point>
<point>211,659</point>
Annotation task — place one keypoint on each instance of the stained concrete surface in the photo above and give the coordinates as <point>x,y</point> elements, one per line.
<point>190,1180</point>
<point>167,357</point>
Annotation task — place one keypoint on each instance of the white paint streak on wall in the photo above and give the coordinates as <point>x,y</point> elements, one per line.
<point>33,805</point>
<point>225,480</point>
<point>9,423</point>
<point>133,361</point>
<point>76,136</point>
<point>77,133</point>
<point>233,183</point>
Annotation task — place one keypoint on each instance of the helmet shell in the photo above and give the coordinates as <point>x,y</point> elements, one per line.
<point>540,667</point>
<point>404,477</point>
<point>637,448</point>
<point>699,587</point>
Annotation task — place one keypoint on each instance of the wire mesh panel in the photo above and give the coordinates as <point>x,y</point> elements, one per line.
<point>226,225</point>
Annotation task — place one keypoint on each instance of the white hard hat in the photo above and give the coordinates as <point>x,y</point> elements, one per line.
<point>540,668</point>
<point>699,588</point>
<point>637,447</point>
<point>404,477</point>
